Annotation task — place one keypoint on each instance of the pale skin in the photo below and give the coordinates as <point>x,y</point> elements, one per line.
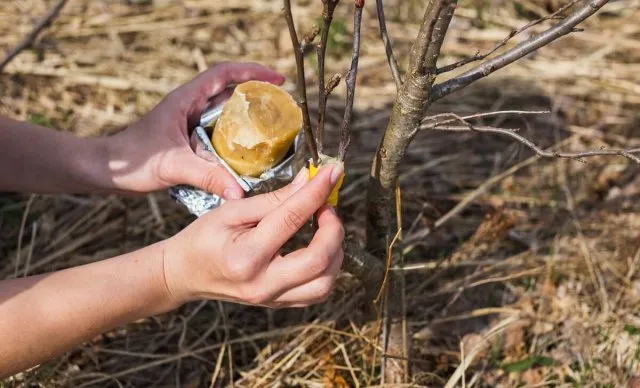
<point>229,254</point>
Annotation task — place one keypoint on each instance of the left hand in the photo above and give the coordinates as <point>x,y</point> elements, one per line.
<point>155,153</point>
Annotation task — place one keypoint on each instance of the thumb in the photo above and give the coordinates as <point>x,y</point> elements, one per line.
<point>207,175</point>
<point>257,207</point>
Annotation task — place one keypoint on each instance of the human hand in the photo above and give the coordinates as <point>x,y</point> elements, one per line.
<point>154,153</point>
<point>233,253</point>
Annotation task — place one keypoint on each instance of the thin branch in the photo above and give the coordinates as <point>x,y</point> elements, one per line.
<point>424,39</point>
<point>427,125</point>
<point>351,81</point>
<point>328,88</point>
<point>29,39</point>
<point>302,86</point>
<point>484,69</point>
<point>479,57</point>
<point>384,35</point>
<point>387,267</point>
<point>468,127</point>
<point>327,18</point>
<point>439,31</point>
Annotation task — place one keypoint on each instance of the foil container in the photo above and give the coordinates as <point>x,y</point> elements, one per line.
<point>199,202</point>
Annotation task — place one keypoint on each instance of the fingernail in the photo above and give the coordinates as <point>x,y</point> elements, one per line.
<point>336,173</point>
<point>232,193</point>
<point>332,210</point>
<point>301,177</point>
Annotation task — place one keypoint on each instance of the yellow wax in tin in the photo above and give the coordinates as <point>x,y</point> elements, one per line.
<point>313,171</point>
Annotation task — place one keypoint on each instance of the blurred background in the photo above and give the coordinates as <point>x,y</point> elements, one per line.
<point>551,246</point>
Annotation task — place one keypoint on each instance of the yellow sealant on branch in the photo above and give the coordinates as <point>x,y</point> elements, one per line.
<point>313,171</point>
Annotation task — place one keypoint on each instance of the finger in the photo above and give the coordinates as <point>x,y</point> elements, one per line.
<point>278,226</point>
<point>217,78</point>
<point>256,208</point>
<point>222,97</point>
<point>315,291</point>
<point>305,265</point>
<point>208,175</point>
<point>214,81</point>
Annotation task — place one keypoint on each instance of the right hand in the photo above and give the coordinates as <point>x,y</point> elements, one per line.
<point>233,253</point>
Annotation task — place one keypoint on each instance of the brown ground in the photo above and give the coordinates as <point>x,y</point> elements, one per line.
<point>537,277</point>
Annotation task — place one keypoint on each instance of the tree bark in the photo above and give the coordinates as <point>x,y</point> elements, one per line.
<point>409,109</point>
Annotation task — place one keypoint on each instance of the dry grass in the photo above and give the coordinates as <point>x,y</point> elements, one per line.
<point>535,283</point>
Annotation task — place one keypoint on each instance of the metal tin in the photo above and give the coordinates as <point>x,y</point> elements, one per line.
<point>199,202</point>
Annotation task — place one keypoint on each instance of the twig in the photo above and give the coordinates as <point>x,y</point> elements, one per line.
<point>302,86</point>
<point>424,40</point>
<point>483,188</point>
<point>327,18</point>
<point>403,283</point>
<point>218,367</point>
<point>351,80</point>
<point>23,223</point>
<point>426,120</point>
<point>384,35</point>
<point>34,229</point>
<point>29,39</point>
<point>497,329</point>
<point>466,126</point>
<point>463,365</point>
<point>484,69</point>
<point>385,280</point>
<point>479,57</point>
<point>440,29</point>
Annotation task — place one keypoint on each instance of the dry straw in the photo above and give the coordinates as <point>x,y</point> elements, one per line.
<point>564,265</point>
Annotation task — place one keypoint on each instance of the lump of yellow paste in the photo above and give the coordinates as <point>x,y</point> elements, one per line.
<point>257,127</point>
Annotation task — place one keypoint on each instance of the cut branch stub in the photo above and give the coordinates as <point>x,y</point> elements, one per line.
<point>333,82</point>
<point>310,37</point>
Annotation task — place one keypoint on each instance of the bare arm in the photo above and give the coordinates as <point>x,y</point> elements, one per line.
<point>43,316</point>
<point>41,160</point>
<point>151,154</point>
<point>224,255</point>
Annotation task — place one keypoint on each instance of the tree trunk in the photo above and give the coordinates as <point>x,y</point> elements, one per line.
<point>409,109</point>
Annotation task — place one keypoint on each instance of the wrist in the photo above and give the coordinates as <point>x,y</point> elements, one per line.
<point>94,164</point>
<point>170,296</point>
<point>188,275</point>
<point>174,272</point>
<point>112,167</point>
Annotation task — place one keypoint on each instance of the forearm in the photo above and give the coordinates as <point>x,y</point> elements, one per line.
<point>40,160</point>
<point>44,316</point>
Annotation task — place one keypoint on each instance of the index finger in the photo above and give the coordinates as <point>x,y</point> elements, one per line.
<point>277,227</point>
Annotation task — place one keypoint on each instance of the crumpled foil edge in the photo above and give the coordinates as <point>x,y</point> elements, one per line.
<point>199,202</point>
